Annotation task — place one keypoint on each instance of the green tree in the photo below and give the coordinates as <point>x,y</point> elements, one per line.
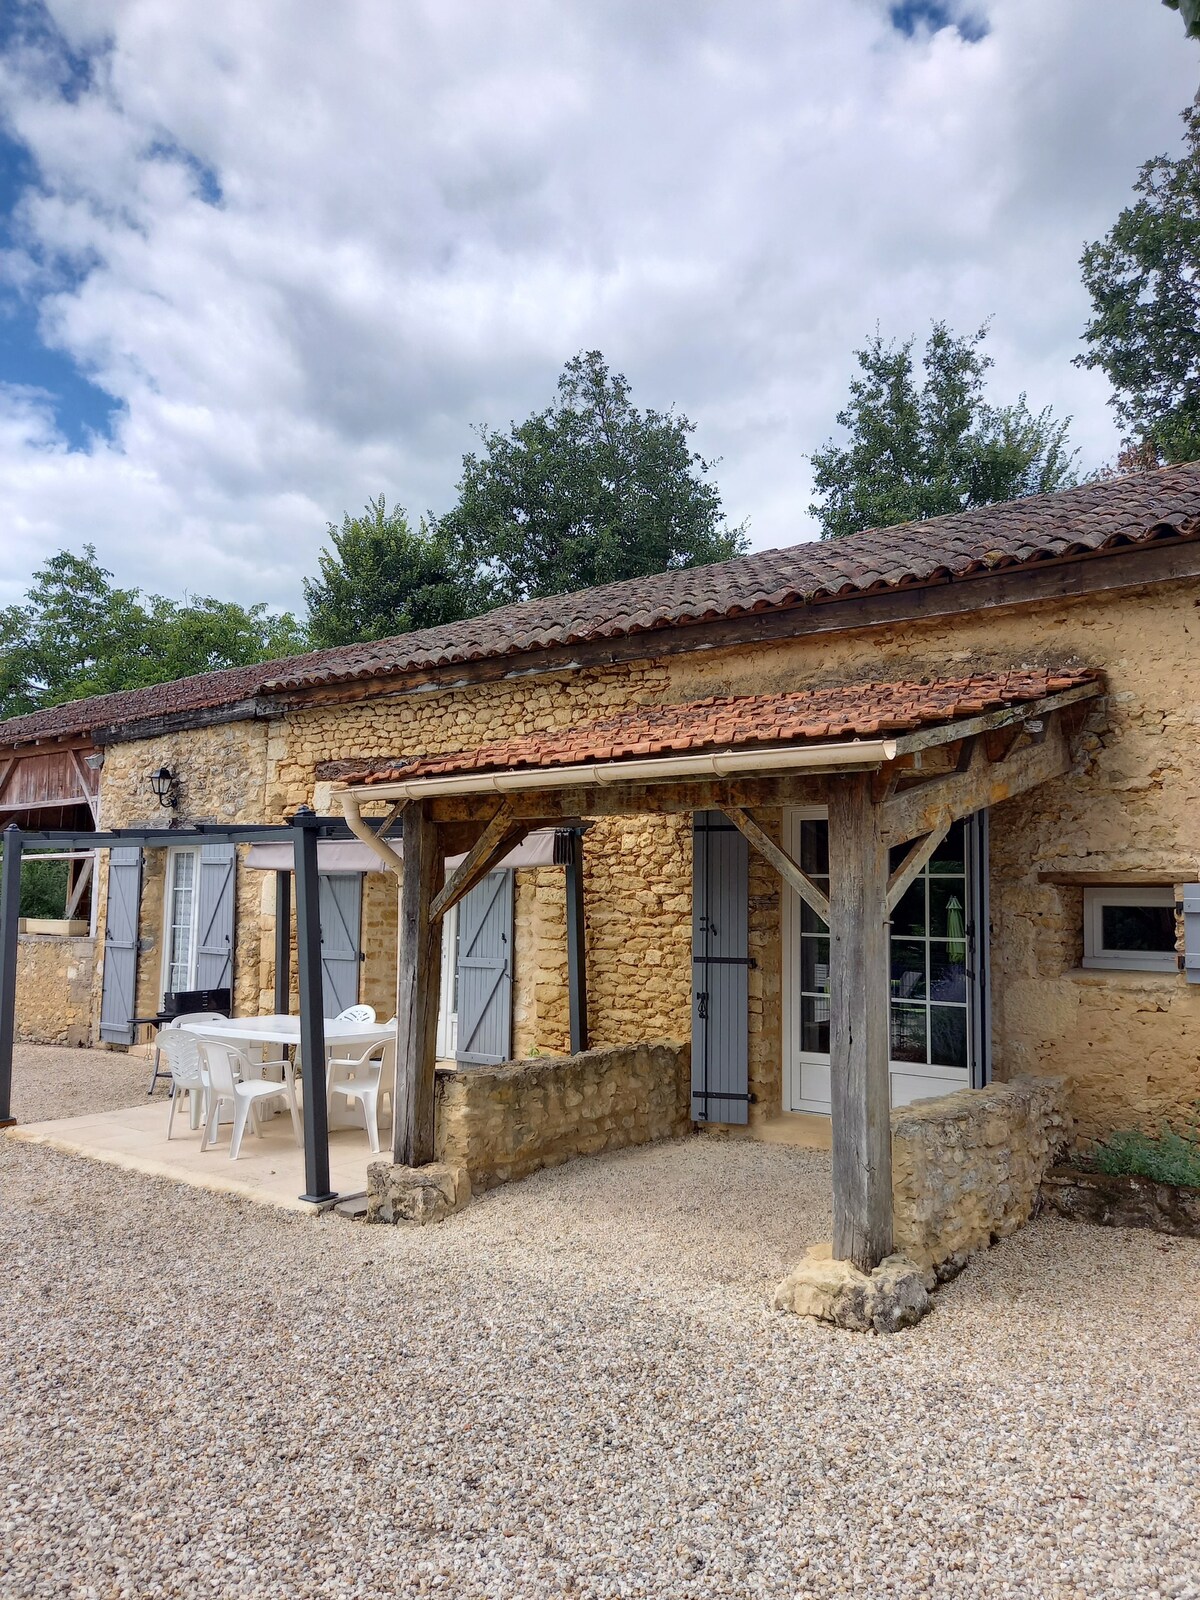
<point>922,445</point>
<point>77,634</point>
<point>1189,10</point>
<point>589,491</point>
<point>379,578</point>
<point>1144,281</point>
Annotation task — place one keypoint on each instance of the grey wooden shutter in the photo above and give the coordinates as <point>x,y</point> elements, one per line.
<point>118,996</point>
<point>215,919</point>
<point>1191,932</point>
<point>485,942</point>
<point>720,970</point>
<point>340,899</point>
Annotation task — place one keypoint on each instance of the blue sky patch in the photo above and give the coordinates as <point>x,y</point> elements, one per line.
<point>911,16</point>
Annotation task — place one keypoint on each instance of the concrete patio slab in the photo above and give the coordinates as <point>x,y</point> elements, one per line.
<point>269,1171</point>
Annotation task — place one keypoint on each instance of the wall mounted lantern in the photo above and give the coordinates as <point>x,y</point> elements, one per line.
<point>166,786</point>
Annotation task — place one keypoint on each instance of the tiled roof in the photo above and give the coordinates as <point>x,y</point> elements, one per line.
<point>845,712</point>
<point>1103,515</point>
<point>1115,511</point>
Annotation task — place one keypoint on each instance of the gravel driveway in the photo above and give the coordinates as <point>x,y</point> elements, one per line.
<point>574,1388</point>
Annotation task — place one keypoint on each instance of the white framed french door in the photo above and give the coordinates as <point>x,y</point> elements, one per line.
<point>447,1026</point>
<point>938,972</point>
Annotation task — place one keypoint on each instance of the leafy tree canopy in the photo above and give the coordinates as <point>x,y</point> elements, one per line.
<point>1189,10</point>
<point>1144,281</point>
<point>921,444</point>
<point>379,578</point>
<point>77,634</point>
<point>589,491</point>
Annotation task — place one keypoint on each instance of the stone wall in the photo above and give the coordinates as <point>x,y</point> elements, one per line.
<point>54,989</point>
<point>503,1122</point>
<point>967,1167</point>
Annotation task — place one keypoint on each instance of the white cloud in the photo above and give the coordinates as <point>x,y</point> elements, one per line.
<point>426,209</point>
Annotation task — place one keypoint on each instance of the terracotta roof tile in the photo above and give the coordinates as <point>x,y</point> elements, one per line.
<point>844,712</point>
<point>1136,509</point>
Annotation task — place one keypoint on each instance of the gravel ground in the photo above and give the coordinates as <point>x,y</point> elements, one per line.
<point>574,1388</point>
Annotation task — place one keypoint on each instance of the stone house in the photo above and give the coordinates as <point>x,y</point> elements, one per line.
<point>1041,933</point>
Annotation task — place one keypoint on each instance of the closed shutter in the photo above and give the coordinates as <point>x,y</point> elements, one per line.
<point>485,973</point>
<point>340,899</point>
<point>720,970</point>
<point>215,917</point>
<point>118,997</point>
<point>1191,932</point>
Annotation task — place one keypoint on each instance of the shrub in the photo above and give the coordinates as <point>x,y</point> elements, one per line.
<point>1165,1157</point>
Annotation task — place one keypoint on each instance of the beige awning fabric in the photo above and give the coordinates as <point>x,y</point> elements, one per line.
<point>350,855</point>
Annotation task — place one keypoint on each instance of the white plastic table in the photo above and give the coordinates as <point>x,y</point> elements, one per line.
<point>358,1036</point>
<point>286,1030</point>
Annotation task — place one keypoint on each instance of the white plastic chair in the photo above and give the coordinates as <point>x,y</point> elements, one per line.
<point>182,1053</point>
<point>230,1080</point>
<point>356,1014</point>
<point>184,1016</point>
<point>362,1080</point>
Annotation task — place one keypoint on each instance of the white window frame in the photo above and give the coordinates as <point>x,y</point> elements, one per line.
<point>1096,955</point>
<point>173,856</point>
<point>447,1025</point>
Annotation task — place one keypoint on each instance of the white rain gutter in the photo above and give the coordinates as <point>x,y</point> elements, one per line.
<point>861,754</point>
<point>392,859</point>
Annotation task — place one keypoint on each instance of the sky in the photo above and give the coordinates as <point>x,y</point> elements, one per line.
<point>259,263</point>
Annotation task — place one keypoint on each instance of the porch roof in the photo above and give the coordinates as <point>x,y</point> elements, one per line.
<point>849,724</point>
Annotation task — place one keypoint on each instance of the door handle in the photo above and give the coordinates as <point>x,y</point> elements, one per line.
<point>702,1005</point>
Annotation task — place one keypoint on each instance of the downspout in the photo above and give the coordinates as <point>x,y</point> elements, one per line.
<point>391,857</point>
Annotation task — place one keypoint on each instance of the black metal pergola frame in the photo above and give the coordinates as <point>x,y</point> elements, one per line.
<point>303,831</point>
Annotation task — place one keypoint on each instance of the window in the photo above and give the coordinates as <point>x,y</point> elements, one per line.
<point>929,937</point>
<point>179,936</point>
<point>1130,928</point>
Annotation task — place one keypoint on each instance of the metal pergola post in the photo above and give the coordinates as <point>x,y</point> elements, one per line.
<point>10,910</point>
<point>305,826</point>
<point>283,943</point>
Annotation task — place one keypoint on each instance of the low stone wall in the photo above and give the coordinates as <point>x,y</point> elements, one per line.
<point>1123,1201</point>
<point>503,1122</point>
<point>54,989</point>
<point>967,1167</point>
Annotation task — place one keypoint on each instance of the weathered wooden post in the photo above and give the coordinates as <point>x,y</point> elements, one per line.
<point>417,990</point>
<point>858,965</point>
<point>10,910</point>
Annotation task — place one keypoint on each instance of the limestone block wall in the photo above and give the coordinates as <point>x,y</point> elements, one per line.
<point>967,1167</point>
<point>503,1122</point>
<point>637,873</point>
<point>54,989</point>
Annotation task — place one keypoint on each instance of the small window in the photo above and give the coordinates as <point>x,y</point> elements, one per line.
<point>1130,928</point>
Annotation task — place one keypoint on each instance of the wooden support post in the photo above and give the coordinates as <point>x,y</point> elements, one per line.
<point>10,910</point>
<point>283,943</point>
<point>576,947</point>
<point>312,1009</point>
<point>860,1090</point>
<point>418,989</point>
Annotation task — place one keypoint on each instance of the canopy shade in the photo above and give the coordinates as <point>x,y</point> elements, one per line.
<point>336,855</point>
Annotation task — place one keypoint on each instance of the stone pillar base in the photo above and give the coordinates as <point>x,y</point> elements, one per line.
<point>894,1296</point>
<point>415,1194</point>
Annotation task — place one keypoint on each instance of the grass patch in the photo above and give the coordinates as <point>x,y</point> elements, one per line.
<point>1165,1157</point>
